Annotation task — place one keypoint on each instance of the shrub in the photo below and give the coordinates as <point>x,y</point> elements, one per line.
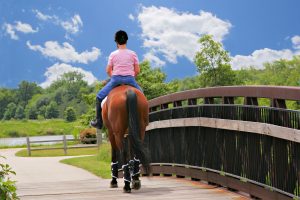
<point>20,113</point>
<point>7,187</point>
<point>70,115</point>
<point>52,111</point>
<point>87,134</point>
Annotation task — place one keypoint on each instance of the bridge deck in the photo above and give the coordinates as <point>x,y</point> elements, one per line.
<point>152,188</point>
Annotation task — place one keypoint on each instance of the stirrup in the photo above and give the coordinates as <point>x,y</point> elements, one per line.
<point>96,124</point>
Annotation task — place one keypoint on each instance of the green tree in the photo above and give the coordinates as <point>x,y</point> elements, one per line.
<point>70,114</point>
<point>212,63</point>
<point>10,111</point>
<point>6,96</point>
<point>152,81</point>
<point>52,111</point>
<point>25,92</point>
<point>20,113</point>
<point>32,112</point>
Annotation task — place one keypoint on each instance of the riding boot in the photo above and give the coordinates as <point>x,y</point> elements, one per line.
<point>127,178</point>
<point>114,175</point>
<point>98,122</point>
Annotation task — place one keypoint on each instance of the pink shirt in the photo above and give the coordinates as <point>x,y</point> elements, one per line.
<point>122,62</point>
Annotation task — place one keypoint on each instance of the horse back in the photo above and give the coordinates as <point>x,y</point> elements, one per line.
<point>115,113</point>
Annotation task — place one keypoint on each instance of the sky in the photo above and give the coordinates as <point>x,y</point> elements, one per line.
<point>41,40</point>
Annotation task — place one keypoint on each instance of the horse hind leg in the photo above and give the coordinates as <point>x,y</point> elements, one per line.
<point>126,167</point>
<point>114,162</point>
<point>114,169</point>
<point>136,183</point>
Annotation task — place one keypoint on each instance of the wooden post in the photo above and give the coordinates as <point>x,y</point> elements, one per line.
<point>99,137</point>
<point>65,144</point>
<point>28,146</point>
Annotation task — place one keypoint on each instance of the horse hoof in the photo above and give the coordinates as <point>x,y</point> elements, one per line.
<point>126,190</point>
<point>136,184</point>
<point>113,184</point>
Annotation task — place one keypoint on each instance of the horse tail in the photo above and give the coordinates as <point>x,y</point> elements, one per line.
<point>134,131</point>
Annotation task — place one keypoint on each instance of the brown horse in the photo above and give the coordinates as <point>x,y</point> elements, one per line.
<point>125,115</point>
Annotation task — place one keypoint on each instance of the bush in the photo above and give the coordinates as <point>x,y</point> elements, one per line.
<point>7,187</point>
<point>32,112</point>
<point>52,111</point>
<point>20,113</point>
<point>87,134</point>
<point>70,115</point>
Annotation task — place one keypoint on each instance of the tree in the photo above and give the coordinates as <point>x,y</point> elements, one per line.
<point>212,63</point>
<point>70,114</point>
<point>6,96</point>
<point>152,81</point>
<point>31,112</point>
<point>52,111</point>
<point>10,111</point>
<point>20,114</point>
<point>26,91</point>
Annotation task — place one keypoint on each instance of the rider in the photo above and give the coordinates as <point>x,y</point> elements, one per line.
<point>122,67</point>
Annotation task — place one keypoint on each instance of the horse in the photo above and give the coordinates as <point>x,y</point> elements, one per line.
<point>126,115</point>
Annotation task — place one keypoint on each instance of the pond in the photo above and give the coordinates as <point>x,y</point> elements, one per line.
<point>22,140</point>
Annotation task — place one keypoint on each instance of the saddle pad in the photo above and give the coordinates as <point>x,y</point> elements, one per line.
<point>103,102</point>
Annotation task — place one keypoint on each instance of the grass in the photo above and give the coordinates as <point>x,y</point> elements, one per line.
<point>58,152</point>
<point>21,128</point>
<point>98,164</point>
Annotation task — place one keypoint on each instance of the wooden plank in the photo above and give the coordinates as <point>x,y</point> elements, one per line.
<point>152,188</point>
<point>236,125</point>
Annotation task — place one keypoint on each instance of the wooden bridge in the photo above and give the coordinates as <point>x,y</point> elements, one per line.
<point>204,135</point>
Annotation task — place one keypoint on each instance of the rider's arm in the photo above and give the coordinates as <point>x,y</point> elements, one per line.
<point>109,70</point>
<point>136,69</point>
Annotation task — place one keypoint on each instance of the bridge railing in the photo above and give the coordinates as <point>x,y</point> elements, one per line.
<point>248,148</point>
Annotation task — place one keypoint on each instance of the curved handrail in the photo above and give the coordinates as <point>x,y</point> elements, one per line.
<point>270,92</point>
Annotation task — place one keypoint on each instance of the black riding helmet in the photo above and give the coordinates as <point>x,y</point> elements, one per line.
<point>121,37</point>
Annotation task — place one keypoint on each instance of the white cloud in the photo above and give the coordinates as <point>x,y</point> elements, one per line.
<point>71,26</point>
<point>42,16</point>
<point>25,28</point>
<point>18,27</point>
<point>65,52</point>
<point>131,17</point>
<point>266,55</point>
<point>173,34</point>
<point>259,57</point>
<point>156,61</point>
<point>296,42</point>
<point>10,31</point>
<point>56,71</point>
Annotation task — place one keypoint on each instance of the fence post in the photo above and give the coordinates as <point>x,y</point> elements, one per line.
<point>65,144</point>
<point>99,137</point>
<point>28,146</point>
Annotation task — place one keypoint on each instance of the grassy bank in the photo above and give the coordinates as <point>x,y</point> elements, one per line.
<point>98,164</point>
<point>17,128</point>
<point>59,152</point>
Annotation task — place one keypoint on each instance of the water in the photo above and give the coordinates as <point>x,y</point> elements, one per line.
<point>22,140</point>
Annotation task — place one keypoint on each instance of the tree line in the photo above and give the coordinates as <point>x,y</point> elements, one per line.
<point>71,98</point>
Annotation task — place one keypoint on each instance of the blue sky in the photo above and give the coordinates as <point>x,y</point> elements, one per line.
<point>40,40</point>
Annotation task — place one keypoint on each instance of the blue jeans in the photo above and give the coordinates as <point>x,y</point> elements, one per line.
<point>115,81</point>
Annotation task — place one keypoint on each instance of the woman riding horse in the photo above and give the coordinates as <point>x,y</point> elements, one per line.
<point>125,112</point>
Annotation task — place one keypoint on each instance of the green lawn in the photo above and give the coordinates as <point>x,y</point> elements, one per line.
<point>59,152</point>
<point>21,128</point>
<point>98,164</point>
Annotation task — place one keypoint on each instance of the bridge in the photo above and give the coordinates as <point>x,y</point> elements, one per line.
<point>203,134</point>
